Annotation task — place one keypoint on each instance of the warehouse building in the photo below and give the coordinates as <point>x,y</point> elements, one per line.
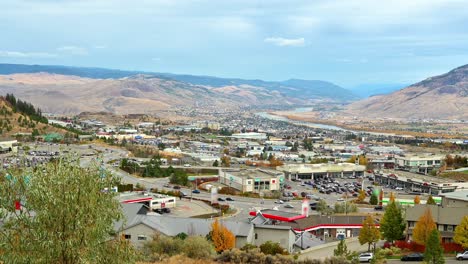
<point>251,180</point>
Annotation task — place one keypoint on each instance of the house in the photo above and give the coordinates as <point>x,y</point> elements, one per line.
<point>455,199</point>
<point>446,218</point>
<point>140,226</point>
<point>419,163</point>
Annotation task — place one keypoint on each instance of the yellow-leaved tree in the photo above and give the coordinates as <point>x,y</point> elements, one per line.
<point>461,233</point>
<point>222,238</point>
<point>424,227</point>
<point>417,199</point>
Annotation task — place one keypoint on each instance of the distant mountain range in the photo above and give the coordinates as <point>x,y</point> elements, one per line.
<point>440,97</point>
<point>165,89</point>
<point>373,89</point>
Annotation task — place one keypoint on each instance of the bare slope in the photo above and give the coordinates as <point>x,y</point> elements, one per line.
<point>137,94</point>
<point>440,97</point>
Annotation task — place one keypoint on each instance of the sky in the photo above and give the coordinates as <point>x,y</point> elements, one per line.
<point>348,42</point>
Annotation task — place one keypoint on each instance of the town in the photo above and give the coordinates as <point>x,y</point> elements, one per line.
<point>302,187</point>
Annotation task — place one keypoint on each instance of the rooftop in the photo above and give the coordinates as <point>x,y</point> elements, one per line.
<point>314,222</point>
<point>458,195</point>
<point>253,174</point>
<point>323,167</point>
<point>278,215</point>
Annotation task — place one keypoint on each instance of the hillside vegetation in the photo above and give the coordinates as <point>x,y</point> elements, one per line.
<point>22,117</point>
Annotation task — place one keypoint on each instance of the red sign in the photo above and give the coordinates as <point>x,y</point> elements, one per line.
<point>163,205</point>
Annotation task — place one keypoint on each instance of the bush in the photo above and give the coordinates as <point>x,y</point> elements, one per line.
<point>252,256</point>
<point>272,248</point>
<point>197,247</point>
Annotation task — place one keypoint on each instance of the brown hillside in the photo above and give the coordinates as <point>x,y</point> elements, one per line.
<point>440,97</point>
<point>12,123</point>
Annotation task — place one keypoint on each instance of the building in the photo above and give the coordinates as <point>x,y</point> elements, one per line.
<point>321,171</point>
<point>250,135</point>
<point>139,226</point>
<point>152,201</point>
<point>419,163</point>
<point>251,180</point>
<point>446,218</point>
<point>7,146</point>
<point>456,199</point>
<point>421,183</point>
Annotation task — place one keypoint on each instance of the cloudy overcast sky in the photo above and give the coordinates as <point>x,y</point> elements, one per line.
<point>348,42</point>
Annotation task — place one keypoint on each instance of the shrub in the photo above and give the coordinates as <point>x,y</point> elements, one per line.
<point>197,247</point>
<point>272,248</point>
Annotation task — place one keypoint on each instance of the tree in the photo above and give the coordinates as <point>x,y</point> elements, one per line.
<point>430,200</point>
<point>369,233</point>
<point>226,161</point>
<point>417,200</point>
<point>423,227</point>
<point>361,196</point>
<point>323,207</point>
<point>374,200</point>
<point>73,216</point>
<point>215,163</point>
<point>341,250</point>
<point>461,233</point>
<point>391,198</point>
<point>392,224</point>
<point>222,238</point>
<point>434,253</point>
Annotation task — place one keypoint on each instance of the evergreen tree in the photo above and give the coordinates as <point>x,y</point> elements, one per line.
<point>392,225</point>
<point>374,200</point>
<point>434,253</point>
<point>341,250</point>
<point>430,200</point>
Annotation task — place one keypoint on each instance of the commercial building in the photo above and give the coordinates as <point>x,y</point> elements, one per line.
<point>321,171</point>
<point>250,135</point>
<point>251,180</point>
<point>7,146</point>
<point>418,163</point>
<point>421,183</point>
<point>152,201</point>
<point>456,199</point>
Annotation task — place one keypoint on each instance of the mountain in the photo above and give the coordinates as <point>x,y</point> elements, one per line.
<point>368,90</point>
<point>71,90</point>
<point>440,97</point>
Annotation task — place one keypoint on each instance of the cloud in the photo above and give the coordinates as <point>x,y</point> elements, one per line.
<point>73,50</point>
<point>19,54</point>
<point>284,42</point>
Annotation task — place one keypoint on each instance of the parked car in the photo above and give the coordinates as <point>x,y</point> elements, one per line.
<point>413,257</point>
<point>196,191</point>
<point>365,257</point>
<point>166,210</point>
<point>221,199</point>
<point>176,187</point>
<point>462,256</point>
<point>187,165</point>
<point>279,202</point>
<point>288,206</point>
<point>229,199</point>
<point>399,188</point>
<point>378,208</point>
<point>340,200</point>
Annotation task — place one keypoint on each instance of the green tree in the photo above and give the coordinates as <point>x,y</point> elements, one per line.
<point>73,216</point>
<point>461,233</point>
<point>369,233</point>
<point>430,200</point>
<point>341,250</point>
<point>323,207</point>
<point>434,253</point>
<point>215,163</point>
<point>392,225</point>
<point>374,200</point>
